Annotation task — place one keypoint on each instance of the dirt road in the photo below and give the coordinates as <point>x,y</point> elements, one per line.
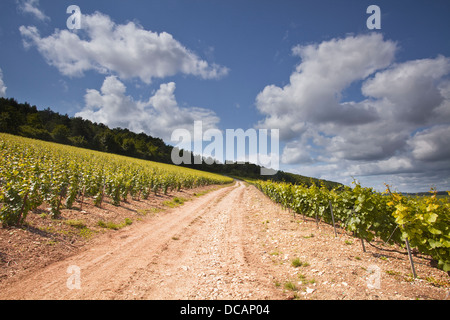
<point>232,243</point>
<point>199,250</point>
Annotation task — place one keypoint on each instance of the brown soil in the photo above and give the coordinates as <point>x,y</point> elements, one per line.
<point>231,243</point>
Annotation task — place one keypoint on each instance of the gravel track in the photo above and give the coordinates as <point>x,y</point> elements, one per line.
<point>232,243</point>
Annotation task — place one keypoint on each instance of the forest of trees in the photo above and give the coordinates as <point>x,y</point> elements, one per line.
<point>26,120</point>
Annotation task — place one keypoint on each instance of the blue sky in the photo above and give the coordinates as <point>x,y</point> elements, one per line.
<point>349,102</point>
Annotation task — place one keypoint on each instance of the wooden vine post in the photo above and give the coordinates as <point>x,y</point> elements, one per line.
<point>408,248</point>
<point>362,243</point>
<point>332,218</point>
<point>360,237</point>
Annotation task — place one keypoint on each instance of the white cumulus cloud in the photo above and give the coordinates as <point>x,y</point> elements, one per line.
<point>31,7</point>
<point>399,127</point>
<point>432,144</point>
<point>315,87</point>
<point>128,50</point>
<point>408,91</point>
<point>2,85</point>
<point>159,116</point>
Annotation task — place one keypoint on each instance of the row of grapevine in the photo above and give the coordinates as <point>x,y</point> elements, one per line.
<point>34,172</point>
<point>424,221</point>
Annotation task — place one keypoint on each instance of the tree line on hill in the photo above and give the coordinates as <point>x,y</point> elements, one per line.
<point>26,120</point>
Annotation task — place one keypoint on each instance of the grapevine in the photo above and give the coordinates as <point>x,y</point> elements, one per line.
<point>34,172</point>
<point>393,217</point>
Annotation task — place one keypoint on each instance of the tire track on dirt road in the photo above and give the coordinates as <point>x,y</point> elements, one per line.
<point>210,259</point>
<point>196,251</point>
<point>110,261</point>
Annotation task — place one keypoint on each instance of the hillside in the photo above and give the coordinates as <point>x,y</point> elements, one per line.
<point>26,120</point>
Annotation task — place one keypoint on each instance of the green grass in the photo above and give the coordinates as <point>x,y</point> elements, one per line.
<point>79,224</point>
<point>275,253</point>
<point>201,193</point>
<point>175,202</point>
<point>151,211</point>
<point>304,280</point>
<point>84,231</point>
<point>436,282</point>
<point>289,285</point>
<point>114,226</point>
<point>298,263</point>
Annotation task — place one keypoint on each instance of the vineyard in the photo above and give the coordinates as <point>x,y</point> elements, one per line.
<point>421,222</point>
<point>34,172</point>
